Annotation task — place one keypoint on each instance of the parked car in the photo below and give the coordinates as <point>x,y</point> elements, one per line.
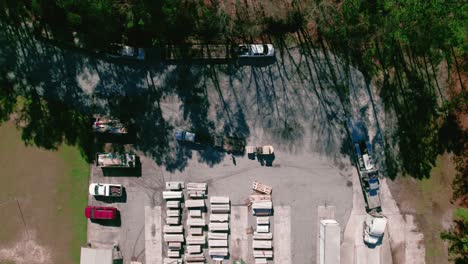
<point>126,52</point>
<point>101,212</point>
<point>254,50</point>
<point>105,189</point>
<point>184,136</point>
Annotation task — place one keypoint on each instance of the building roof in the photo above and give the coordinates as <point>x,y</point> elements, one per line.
<point>96,255</point>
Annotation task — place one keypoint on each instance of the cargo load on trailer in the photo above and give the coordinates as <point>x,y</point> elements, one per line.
<point>116,160</point>
<point>107,125</point>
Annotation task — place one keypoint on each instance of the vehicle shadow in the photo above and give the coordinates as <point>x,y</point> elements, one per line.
<point>113,222</point>
<point>107,199</point>
<point>123,172</point>
<point>266,160</point>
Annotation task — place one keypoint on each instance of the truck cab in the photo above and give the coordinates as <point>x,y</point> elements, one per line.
<point>105,189</point>
<point>374,228</point>
<point>100,212</point>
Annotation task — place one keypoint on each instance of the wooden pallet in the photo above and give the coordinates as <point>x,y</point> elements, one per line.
<point>260,187</point>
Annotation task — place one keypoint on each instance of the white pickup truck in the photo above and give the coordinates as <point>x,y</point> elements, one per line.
<point>374,228</point>
<point>105,189</point>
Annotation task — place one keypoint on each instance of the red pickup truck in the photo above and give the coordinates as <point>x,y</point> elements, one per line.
<point>101,212</point>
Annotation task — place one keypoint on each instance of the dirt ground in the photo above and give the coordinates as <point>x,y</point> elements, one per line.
<point>429,201</point>
<point>36,191</point>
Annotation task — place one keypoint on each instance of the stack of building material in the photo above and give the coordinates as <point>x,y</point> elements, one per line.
<point>174,186</point>
<point>262,207</point>
<point>263,228</point>
<point>172,261</point>
<point>173,231</point>
<point>219,227</point>
<point>263,254</point>
<point>263,236</point>
<point>167,195</point>
<point>197,190</point>
<point>196,222</point>
<point>224,227</point>
<point>173,204</point>
<point>195,204</point>
<point>262,244</point>
<point>195,258</point>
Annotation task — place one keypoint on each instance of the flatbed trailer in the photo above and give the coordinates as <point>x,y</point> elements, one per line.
<point>260,187</point>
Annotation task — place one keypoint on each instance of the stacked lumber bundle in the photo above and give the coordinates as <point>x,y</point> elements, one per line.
<point>173,220</point>
<point>219,218</point>
<point>175,245</point>
<point>262,244</point>
<point>194,249</point>
<point>261,261</point>
<point>173,231</point>
<point>219,227</point>
<point>263,236</point>
<point>220,208</point>
<point>263,220</point>
<point>167,195</point>
<point>168,238</point>
<point>196,213</point>
<point>195,258</point>
<point>263,228</point>
<point>174,186</point>
<point>172,213</point>
<point>262,208</point>
<point>219,252</point>
<point>172,261</point>
<point>195,231</point>
<point>217,243</point>
<point>263,254</point>
<point>200,222</point>
<point>219,200</point>
<point>173,204</point>
<point>197,190</point>
<point>195,204</point>
<point>173,253</point>
<point>196,240</point>
<point>217,236</point>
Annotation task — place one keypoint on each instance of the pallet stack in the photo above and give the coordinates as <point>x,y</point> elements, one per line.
<point>262,208</point>
<point>173,231</point>
<point>219,227</point>
<point>196,222</point>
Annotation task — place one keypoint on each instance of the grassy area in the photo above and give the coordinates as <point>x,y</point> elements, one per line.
<point>429,200</point>
<point>51,189</point>
<point>76,189</point>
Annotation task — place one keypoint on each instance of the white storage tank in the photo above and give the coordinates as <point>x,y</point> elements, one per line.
<point>330,240</point>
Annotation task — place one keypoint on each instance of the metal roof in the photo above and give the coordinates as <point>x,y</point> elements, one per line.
<point>96,255</point>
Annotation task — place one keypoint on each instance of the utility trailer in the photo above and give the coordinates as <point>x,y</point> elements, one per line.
<point>229,144</point>
<point>116,160</point>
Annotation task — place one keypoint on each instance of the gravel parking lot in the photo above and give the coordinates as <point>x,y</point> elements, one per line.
<point>302,182</point>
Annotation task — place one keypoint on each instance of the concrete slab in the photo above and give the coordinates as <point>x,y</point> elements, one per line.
<point>282,235</point>
<point>153,235</point>
<point>323,212</point>
<point>239,245</point>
